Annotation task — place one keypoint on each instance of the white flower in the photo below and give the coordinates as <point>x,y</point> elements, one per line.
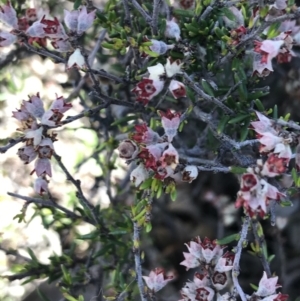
<point>76,60</point>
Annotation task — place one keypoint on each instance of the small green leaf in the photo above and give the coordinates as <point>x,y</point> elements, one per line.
<point>254,286</point>
<point>207,88</point>
<point>228,239</point>
<point>275,112</point>
<point>258,104</point>
<point>148,227</point>
<point>237,169</point>
<point>238,119</point>
<point>271,257</point>
<point>77,3</point>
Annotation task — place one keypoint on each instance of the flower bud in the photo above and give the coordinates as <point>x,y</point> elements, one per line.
<point>190,173</point>
<point>40,185</point>
<point>139,175</point>
<point>172,30</point>
<point>128,149</point>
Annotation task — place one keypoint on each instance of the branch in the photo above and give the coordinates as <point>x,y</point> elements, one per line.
<point>147,18</point>
<point>156,6</point>
<point>127,13</point>
<point>207,97</point>
<point>47,203</point>
<point>11,143</point>
<point>137,260</point>
<point>236,262</point>
<point>82,199</point>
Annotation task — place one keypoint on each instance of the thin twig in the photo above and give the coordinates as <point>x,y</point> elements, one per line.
<point>156,6</point>
<point>147,18</point>
<point>47,203</point>
<point>83,200</point>
<point>11,143</point>
<point>127,13</point>
<point>137,260</point>
<point>236,262</point>
<point>207,97</point>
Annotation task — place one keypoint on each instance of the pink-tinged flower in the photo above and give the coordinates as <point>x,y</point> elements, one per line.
<point>45,148</point>
<point>60,105</point>
<point>36,29</point>
<point>139,175</point>
<point>76,60</point>
<point>170,122</point>
<point>53,28</point>
<point>259,68</point>
<point>238,21</point>
<point>267,286</point>
<point>224,297</point>
<point>263,125</point>
<point>281,4</point>
<point>189,174</point>
<point>36,135</point>
<point>190,261</point>
<point>27,153</point>
<point>157,279</point>
<point>276,297</point>
<point>163,172</point>
<point>156,72</point>
<point>35,106</point>
<point>148,159</point>
<point>219,280</point>
<point>21,114</point>
<point>42,167</point>
<point>8,15</point>
<point>146,89</point>
<point>160,47</point>
<point>172,30</point>
<point>269,141</point>
<point>144,134</point>
<point>61,45</point>
<point>195,248</point>
<point>272,193</point>
<point>40,185</point>
<point>128,150</point>
<point>210,250</point>
<point>170,157</point>
<point>173,67</point>
<point>268,49</point>
<point>201,280</point>
<point>6,39</point>
<point>225,263</point>
<point>52,117</point>
<point>249,182</point>
<point>177,89</point>
<point>85,20</point>
<point>71,19</point>
<point>188,292</point>
<point>283,149</point>
<point>274,166</point>
<point>204,294</point>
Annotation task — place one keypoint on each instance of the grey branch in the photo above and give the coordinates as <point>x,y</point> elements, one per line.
<point>47,203</point>
<point>207,97</point>
<point>236,262</point>
<point>137,260</point>
<point>11,143</point>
